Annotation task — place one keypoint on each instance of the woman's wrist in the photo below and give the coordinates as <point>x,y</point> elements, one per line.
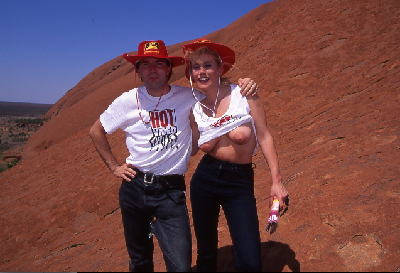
<point>276,179</point>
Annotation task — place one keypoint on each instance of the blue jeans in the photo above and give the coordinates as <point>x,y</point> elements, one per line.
<point>151,208</point>
<point>219,183</point>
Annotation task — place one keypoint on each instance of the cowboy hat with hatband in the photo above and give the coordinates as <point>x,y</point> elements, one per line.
<point>154,49</point>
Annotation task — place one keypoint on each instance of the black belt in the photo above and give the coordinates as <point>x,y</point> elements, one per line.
<point>173,181</point>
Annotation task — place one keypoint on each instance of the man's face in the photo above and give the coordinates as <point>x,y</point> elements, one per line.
<point>153,73</point>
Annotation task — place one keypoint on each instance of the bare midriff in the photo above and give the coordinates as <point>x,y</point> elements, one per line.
<point>236,146</point>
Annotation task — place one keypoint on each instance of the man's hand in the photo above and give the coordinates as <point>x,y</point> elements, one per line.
<point>98,135</point>
<point>249,87</point>
<point>125,171</point>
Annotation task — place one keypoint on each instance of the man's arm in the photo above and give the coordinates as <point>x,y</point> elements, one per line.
<point>99,138</point>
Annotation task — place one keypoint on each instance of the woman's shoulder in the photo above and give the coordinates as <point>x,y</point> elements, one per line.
<point>235,92</point>
<point>234,87</point>
<point>236,95</point>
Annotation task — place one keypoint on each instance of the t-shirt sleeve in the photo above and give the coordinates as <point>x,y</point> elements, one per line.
<point>115,116</point>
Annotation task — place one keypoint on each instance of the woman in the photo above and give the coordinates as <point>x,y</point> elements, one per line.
<point>230,127</point>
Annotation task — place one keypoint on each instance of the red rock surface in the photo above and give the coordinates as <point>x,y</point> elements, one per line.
<point>329,77</point>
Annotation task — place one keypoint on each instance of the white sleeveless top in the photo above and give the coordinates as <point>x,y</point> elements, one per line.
<point>237,114</point>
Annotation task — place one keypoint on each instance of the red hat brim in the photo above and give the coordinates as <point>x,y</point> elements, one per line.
<point>175,60</point>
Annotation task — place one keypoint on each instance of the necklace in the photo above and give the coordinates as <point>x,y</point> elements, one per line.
<point>137,102</point>
<point>216,99</point>
<point>215,104</point>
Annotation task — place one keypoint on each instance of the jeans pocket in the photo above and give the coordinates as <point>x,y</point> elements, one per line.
<point>179,197</point>
<point>244,174</point>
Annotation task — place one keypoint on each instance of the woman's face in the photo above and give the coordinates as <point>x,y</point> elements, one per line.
<point>205,72</point>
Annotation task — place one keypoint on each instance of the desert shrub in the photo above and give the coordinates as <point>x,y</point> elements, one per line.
<point>30,121</point>
<point>20,139</point>
<point>4,147</point>
<point>12,163</point>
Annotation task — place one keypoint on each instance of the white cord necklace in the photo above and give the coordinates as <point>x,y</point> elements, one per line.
<point>216,99</point>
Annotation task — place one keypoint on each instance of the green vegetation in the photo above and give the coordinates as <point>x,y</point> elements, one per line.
<point>8,165</point>
<point>18,121</point>
<point>4,147</point>
<point>37,121</point>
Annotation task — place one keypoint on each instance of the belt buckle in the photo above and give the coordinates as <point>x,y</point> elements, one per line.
<point>148,182</point>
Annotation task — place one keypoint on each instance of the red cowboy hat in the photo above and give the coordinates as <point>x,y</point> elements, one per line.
<point>155,49</point>
<point>227,55</point>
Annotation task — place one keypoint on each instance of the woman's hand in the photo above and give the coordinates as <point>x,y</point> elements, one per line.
<point>278,191</point>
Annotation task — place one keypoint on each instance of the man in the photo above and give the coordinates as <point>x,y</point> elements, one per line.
<point>156,120</point>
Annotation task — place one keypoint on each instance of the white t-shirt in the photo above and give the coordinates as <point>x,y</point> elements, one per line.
<point>237,114</point>
<point>162,146</point>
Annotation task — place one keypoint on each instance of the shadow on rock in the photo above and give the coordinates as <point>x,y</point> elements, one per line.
<point>275,257</point>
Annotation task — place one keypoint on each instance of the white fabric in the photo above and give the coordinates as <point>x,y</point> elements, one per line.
<point>162,146</point>
<point>237,114</point>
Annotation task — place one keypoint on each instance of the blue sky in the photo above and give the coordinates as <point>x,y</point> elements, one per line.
<point>48,46</point>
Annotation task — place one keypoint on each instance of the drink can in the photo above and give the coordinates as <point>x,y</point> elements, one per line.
<point>273,217</point>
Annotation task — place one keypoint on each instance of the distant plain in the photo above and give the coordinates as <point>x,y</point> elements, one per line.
<point>18,121</point>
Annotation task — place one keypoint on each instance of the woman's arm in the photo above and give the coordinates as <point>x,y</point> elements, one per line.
<point>264,137</point>
<point>195,134</point>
